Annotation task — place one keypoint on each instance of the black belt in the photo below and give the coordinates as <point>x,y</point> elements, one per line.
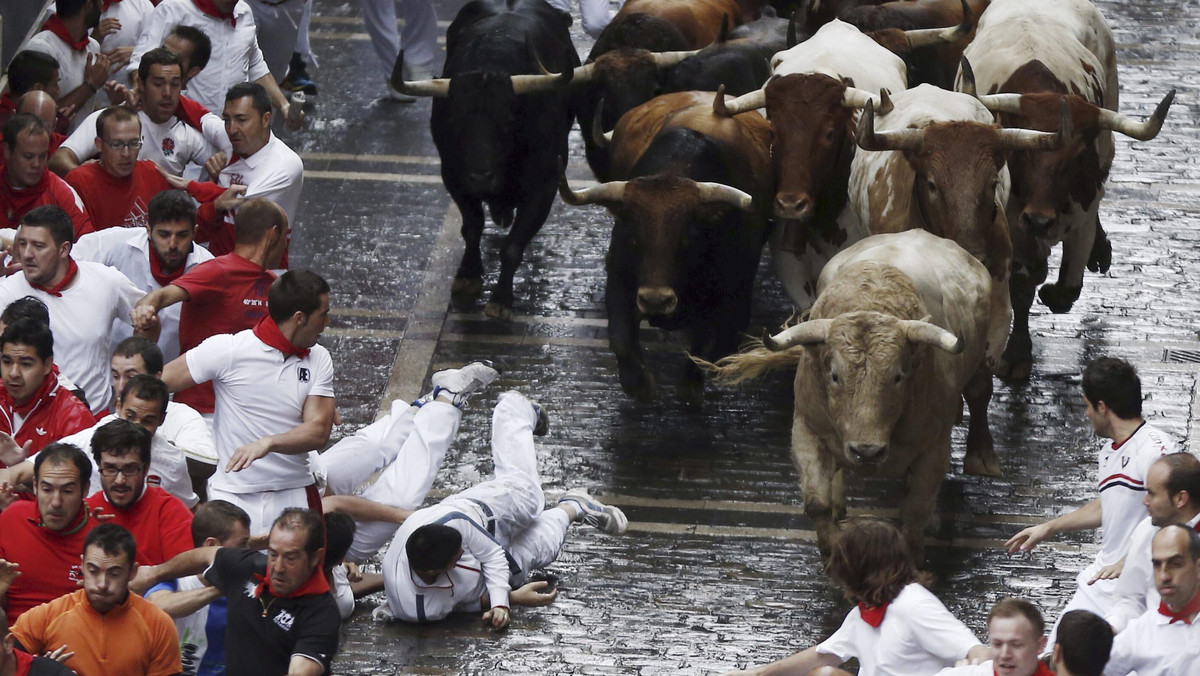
<point>491,516</point>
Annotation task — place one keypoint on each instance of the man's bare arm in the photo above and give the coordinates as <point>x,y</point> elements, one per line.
<point>362,509</point>
<point>303,666</point>
<point>63,161</point>
<point>176,374</point>
<point>179,604</point>
<point>309,435</point>
<point>145,313</point>
<point>191,562</point>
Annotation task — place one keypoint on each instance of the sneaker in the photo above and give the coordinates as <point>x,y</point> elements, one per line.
<point>542,426</point>
<point>297,78</point>
<point>463,382</point>
<point>594,513</point>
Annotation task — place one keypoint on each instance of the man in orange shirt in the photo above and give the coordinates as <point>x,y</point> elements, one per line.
<point>117,190</point>
<point>109,630</point>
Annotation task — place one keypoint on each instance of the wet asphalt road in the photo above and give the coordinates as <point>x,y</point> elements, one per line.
<point>719,568</point>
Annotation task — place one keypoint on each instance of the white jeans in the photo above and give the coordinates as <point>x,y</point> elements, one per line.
<point>263,507</point>
<point>418,38</point>
<point>278,27</point>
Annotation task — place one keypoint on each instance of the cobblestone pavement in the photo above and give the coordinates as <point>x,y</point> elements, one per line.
<point>719,568</point>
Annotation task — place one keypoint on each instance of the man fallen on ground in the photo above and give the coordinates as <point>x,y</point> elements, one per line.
<point>116,191</point>
<point>1017,636</point>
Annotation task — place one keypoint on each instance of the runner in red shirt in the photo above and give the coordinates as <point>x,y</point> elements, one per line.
<point>44,539</point>
<point>160,522</point>
<point>225,295</point>
<point>29,71</point>
<point>34,408</point>
<point>117,190</point>
<point>41,104</point>
<point>25,182</point>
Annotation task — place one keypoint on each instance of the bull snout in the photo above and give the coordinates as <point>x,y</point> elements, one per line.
<point>793,206</point>
<point>657,300</point>
<point>1038,224</point>
<point>483,180</point>
<point>866,453</point>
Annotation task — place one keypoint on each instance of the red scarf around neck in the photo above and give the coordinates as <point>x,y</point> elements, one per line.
<point>190,113</point>
<point>18,201</point>
<point>315,584</point>
<point>1184,615</point>
<point>7,104</point>
<point>24,662</point>
<point>57,289</point>
<point>872,615</point>
<point>156,269</point>
<point>209,8</point>
<point>55,25</point>
<point>268,332</point>
<point>49,383</point>
<point>1042,670</point>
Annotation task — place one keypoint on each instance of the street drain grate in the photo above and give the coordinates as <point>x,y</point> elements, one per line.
<point>1174,356</point>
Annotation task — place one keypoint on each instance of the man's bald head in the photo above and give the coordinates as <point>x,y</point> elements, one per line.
<point>39,103</point>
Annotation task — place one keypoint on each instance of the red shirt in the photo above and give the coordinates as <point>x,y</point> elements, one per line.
<point>227,294</point>
<point>55,413</point>
<point>49,560</point>
<point>159,521</point>
<point>50,190</point>
<point>117,202</point>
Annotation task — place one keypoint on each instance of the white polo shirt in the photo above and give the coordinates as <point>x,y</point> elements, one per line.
<point>235,53</point>
<point>131,14</point>
<point>171,145</point>
<point>917,636</point>
<point>1135,592</point>
<point>81,321</point>
<point>275,172</point>
<point>129,250</point>
<point>981,669</point>
<point>168,468</point>
<point>1152,645</point>
<point>187,429</point>
<point>259,392</point>
<point>1122,482</point>
<point>71,64</point>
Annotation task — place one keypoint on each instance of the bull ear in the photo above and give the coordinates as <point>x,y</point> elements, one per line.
<point>810,332</point>
<point>924,332</point>
<point>966,84</point>
<point>1142,131</point>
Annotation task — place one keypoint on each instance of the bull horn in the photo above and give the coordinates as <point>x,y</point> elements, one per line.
<point>927,37</point>
<point>967,86</point>
<point>869,139</point>
<point>859,98</point>
<point>668,59</point>
<point>800,12</point>
<point>601,139</point>
<point>719,192</point>
<point>1027,139</point>
<point>438,88</point>
<point>927,333</point>
<point>723,33</point>
<point>532,84</point>
<point>584,73</point>
<point>746,102</point>
<point>1142,131</point>
<point>804,333</point>
<point>613,191</point>
<point>1002,103</point>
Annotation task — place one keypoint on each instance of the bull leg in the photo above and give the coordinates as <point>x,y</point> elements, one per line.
<point>620,302</point>
<point>1100,259</point>
<point>819,474</point>
<point>529,219</point>
<point>981,456</point>
<point>468,281</point>
<point>1017,361</point>
<point>1077,248</point>
<point>715,339</point>
<point>924,480</point>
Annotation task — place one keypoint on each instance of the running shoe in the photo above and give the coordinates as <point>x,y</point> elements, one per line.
<point>595,513</point>
<point>463,382</point>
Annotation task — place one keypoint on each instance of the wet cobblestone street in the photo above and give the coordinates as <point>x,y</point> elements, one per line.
<point>719,568</point>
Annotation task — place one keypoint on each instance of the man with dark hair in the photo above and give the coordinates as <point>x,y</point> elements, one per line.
<point>84,299</point>
<point>198,609</point>
<point>282,618</point>
<point>151,257</point>
<point>1172,496</point>
<point>28,71</point>
<point>34,408</point>
<point>1016,635</point>
<point>117,190</point>
<point>83,70</point>
<point>225,295</point>
<point>193,47</point>
<point>274,399</point>
<point>339,535</point>
<point>43,540</point>
<point>107,629</point>
<point>161,522</point>
<point>24,308</point>
<point>26,183</point>
<point>1165,641</point>
<point>1112,394</point>
<point>15,662</point>
<point>1084,643</point>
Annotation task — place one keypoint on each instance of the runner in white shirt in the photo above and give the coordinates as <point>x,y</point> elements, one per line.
<point>1017,634</point>
<point>82,69</point>
<point>899,629</point>
<point>1165,641</point>
<point>1172,496</point>
<point>151,258</point>
<point>1084,643</point>
<point>1113,394</point>
<point>83,298</point>
<point>274,400</point>
<point>127,16</point>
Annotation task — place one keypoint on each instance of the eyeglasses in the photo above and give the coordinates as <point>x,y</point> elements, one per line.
<point>127,470</point>
<point>126,145</point>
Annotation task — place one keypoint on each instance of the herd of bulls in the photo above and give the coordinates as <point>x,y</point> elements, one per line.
<point>911,163</point>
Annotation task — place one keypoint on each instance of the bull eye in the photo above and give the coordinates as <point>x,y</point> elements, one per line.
<point>897,379</point>
<point>931,186</point>
<point>834,377</point>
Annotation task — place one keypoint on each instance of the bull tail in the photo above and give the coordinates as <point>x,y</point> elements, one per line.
<point>753,361</point>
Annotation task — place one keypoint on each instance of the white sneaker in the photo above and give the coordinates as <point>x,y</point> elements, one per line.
<point>595,513</point>
<point>463,382</point>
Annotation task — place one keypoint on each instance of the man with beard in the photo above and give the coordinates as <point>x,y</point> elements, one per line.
<point>117,190</point>
<point>26,184</point>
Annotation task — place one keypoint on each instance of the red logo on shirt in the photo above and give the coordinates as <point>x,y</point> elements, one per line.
<point>75,574</point>
<point>168,147</point>
<point>153,480</point>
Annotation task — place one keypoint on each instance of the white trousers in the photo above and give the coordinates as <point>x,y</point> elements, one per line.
<point>278,26</point>
<point>302,44</point>
<point>595,14</point>
<point>263,507</point>
<point>1096,598</point>
<point>418,38</point>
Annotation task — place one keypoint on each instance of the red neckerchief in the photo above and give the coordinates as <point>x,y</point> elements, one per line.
<point>189,112</point>
<point>55,25</point>
<point>49,383</point>
<point>1184,615</point>
<point>872,615</point>
<point>156,270</point>
<point>56,290</point>
<point>268,332</point>
<point>24,662</point>
<point>1042,670</point>
<point>20,200</point>
<point>210,9</point>
<point>315,584</point>
<point>7,104</point>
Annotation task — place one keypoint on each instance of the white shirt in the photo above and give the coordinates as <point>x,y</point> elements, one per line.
<point>71,64</point>
<point>81,320</point>
<point>259,392</point>
<point>171,145</point>
<point>343,595</point>
<point>184,427</point>
<point>1135,592</point>
<point>1152,646</point>
<point>235,53</point>
<point>275,172</point>
<point>981,669</point>
<point>129,250</point>
<point>168,468</point>
<point>131,14</point>
<point>917,636</point>
<point>1122,480</point>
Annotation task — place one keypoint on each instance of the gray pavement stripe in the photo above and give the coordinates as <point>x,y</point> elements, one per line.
<point>359,157</point>
<point>365,333</point>
<point>357,21</point>
<point>329,35</point>
<point>373,176</point>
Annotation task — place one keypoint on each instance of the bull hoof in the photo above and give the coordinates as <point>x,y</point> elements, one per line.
<point>498,311</point>
<point>982,464</point>
<point>468,287</point>
<point>1100,258</point>
<point>1058,298</point>
<point>1017,361</point>
<point>640,387</point>
<point>690,392</point>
